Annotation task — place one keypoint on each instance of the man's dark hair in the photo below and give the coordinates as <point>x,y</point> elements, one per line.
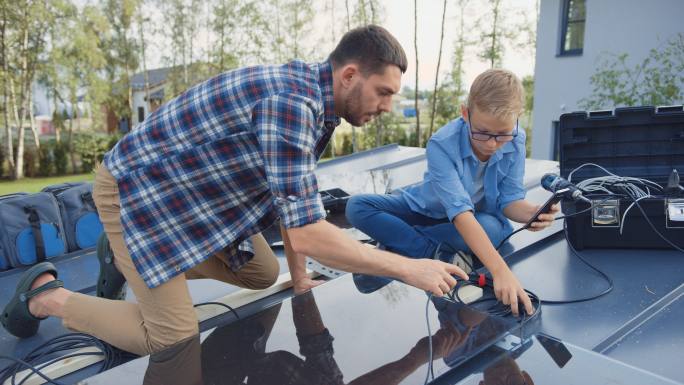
<point>372,48</point>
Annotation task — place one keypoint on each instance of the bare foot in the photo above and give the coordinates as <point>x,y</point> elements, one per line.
<point>37,304</point>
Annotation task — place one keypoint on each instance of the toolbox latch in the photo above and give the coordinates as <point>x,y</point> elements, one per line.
<point>675,213</point>
<point>606,213</point>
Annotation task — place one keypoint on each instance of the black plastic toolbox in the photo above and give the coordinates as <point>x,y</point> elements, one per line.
<point>642,142</point>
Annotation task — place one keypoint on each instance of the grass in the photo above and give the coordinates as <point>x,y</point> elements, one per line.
<point>32,185</point>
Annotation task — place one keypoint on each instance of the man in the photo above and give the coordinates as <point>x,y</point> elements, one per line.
<point>188,192</point>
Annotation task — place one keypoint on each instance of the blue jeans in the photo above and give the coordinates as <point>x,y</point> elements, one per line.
<point>389,220</point>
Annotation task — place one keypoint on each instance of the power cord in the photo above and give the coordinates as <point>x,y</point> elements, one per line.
<point>219,304</point>
<point>555,219</point>
<point>430,370</point>
<point>67,342</point>
<point>634,188</point>
<point>654,228</point>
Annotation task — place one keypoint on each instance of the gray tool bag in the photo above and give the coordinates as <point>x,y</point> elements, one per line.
<point>30,229</point>
<point>82,226</point>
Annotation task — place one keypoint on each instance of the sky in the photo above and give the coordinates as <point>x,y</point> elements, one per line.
<point>399,20</point>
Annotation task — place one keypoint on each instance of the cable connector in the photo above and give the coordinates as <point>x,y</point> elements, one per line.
<point>673,187</point>
<point>481,280</point>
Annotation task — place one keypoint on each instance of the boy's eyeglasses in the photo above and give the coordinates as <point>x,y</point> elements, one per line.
<point>484,137</point>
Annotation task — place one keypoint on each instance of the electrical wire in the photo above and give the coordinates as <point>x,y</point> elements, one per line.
<point>503,241</point>
<point>600,272</point>
<point>617,187</point>
<point>655,229</point>
<point>427,321</point>
<point>219,304</point>
<point>37,359</point>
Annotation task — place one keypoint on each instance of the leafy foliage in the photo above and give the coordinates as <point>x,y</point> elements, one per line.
<point>656,80</point>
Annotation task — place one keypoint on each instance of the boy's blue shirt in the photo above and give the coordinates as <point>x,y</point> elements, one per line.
<point>447,185</point>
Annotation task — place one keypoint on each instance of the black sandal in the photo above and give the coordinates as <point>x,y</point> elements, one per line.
<point>110,282</point>
<point>16,317</point>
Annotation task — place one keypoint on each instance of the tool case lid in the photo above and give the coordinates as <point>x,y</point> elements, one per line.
<point>643,142</point>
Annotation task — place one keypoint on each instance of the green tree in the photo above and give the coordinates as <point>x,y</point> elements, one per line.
<point>23,42</point>
<point>297,25</point>
<point>495,33</point>
<point>121,55</point>
<point>657,80</point>
<point>439,61</point>
<point>415,46</point>
<point>367,12</point>
<point>77,60</point>
<point>528,85</point>
<point>227,51</point>
<point>7,18</point>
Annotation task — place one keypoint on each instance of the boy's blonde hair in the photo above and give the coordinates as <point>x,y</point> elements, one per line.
<point>499,93</point>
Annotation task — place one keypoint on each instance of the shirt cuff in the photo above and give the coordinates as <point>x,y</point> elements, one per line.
<point>453,211</point>
<point>510,199</point>
<point>297,212</point>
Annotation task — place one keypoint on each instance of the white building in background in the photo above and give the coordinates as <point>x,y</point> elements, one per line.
<point>156,81</point>
<point>571,37</point>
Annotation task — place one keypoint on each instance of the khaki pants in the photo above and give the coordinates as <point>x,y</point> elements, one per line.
<point>163,315</point>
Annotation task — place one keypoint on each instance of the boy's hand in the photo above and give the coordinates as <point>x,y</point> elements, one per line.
<point>508,290</point>
<point>544,220</point>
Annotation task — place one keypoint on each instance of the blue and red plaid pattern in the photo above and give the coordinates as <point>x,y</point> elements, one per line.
<point>220,163</point>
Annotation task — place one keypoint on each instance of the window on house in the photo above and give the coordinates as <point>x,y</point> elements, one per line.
<point>141,114</point>
<point>572,27</point>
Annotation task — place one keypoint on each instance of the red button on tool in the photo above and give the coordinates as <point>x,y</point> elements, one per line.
<point>481,280</point>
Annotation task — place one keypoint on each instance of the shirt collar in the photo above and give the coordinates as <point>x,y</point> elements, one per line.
<point>325,82</point>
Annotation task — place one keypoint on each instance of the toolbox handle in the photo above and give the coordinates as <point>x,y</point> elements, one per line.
<point>600,114</point>
<point>669,109</point>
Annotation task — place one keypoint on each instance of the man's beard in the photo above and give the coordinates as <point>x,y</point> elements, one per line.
<point>352,107</point>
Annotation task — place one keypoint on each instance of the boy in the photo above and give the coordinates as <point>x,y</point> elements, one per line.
<point>473,185</point>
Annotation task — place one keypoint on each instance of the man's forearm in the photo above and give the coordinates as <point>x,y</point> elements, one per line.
<point>332,247</point>
<point>296,262</point>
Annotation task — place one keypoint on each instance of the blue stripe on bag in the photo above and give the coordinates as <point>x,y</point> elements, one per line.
<point>26,245</point>
<point>88,229</point>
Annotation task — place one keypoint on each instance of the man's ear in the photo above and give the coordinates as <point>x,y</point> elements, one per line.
<point>350,72</point>
<point>528,379</point>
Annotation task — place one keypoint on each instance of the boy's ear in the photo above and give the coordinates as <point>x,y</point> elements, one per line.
<point>464,111</point>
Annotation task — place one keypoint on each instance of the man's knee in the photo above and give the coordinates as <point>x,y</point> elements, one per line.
<point>162,342</point>
<point>174,331</point>
<point>264,278</point>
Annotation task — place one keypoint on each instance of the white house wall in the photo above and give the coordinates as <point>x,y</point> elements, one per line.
<point>618,26</point>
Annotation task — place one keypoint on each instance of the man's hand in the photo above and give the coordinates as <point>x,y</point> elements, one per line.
<point>544,220</point>
<point>430,275</point>
<point>304,284</point>
<point>508,290</point>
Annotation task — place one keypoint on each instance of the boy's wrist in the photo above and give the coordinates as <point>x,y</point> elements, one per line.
<point>499,268</point>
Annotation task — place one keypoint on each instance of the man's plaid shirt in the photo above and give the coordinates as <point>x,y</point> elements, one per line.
<point>222,162</point>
